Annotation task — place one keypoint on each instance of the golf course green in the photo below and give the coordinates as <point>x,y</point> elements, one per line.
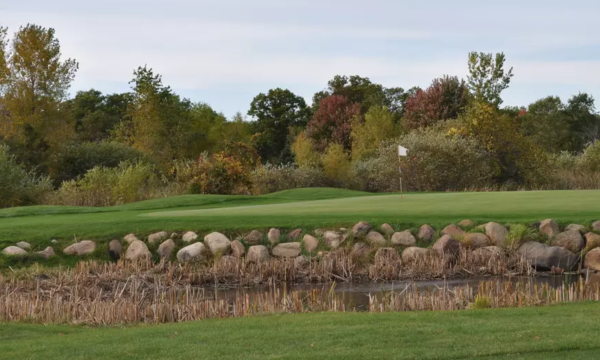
<point>306,208</point>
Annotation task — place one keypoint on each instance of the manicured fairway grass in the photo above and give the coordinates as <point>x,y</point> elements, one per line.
<point>558,332</point>
<point>306,208</point>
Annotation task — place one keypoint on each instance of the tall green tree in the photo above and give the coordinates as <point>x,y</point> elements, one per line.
<point>584,122</point>
<point>276,113</point>
<point>556,127</point>
<point>159,119</point>
<point>487,77</point>
<point>546,124</point>
<point>34,80</point>
<point>96,114</point>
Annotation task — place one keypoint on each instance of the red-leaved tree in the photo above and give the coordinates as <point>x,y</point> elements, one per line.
<point>332,123</point>
<point>445,99</point>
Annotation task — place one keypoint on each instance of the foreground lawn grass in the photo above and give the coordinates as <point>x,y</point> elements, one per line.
<point>558,332</point>
<point>306,208</point>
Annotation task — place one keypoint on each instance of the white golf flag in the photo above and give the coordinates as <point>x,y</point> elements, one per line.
<point>402,151</point>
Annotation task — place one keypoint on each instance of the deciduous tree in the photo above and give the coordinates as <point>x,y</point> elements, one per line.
<point>34,80</point>
<point>367,137</point>
<point>487,78</point>
<point>445,99</point>
<point>332,123</point>
<point>276,112</point>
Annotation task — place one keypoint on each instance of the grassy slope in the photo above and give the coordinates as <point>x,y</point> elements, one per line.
<point>559,332</point>
<point>306,208</point>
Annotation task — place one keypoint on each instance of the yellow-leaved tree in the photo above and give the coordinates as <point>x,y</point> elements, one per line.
<point>304,152</point>
<point>336,163</point>
<point>367,136</point>
<point>34,80</point>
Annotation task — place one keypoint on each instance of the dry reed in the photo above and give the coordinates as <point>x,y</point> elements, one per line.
<point>125,293</point>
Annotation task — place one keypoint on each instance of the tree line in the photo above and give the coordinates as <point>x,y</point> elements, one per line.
<point>60,140</point>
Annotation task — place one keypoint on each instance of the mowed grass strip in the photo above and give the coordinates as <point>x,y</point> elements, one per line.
<point>556,332</point>
<point>306,208</point>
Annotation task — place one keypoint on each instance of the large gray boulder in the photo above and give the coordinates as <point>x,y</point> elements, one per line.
<point>387,229</point>
<point>218,243</point>
<point>375,239</point>
<point>488,253</point>
<point>596,226</point>
<point>165,249</point>
<point>311,243</point>
<point>189,237</point>
<point>287,250</point>
<point>545,257</point>
<point>191,253</point>
<point>592,259</point>
<point>23,245</point>
<point>475,240</point>
<point>404,238</point>
<point>426,233</point>
<point>453,231</point>
<point>47,253</point>
<point>254,238</point>
<point>592,241</point>
<point>237,248</point>
<point>114,249</point>
<point>273,236</point>
<point>570,240</point>
<point>333,239</point>
<point>295,234</point>
<point>14,251</point>
<point>137,250</point>
<point>447,246</point>
<point>257,254</point>
<point>157,237</point>
<point>466,223</point>
<point>84,247</point>
<point>129,238</point>
<point>582,229</point>
<point>361,229</point>
<point>549,228</point>
<point>496,232</point>
<point>414,253</point>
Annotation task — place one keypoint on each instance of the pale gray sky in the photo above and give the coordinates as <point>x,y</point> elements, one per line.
<point>225,52</point>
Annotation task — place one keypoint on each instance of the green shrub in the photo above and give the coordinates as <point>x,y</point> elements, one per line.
<point>18,186</point>
<point>590,159</point>
<point>377,174</point>
<point>226,172</point>
<point>271,178</point>
<point>516,235</point>
<point>102,186</point>
<point>77,159</point>
<point>436,162</point>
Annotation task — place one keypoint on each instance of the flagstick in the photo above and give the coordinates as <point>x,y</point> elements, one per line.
<point>401,192</point>
<point>401,152</point>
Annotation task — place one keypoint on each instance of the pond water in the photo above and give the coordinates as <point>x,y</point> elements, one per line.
<point>356,295</point>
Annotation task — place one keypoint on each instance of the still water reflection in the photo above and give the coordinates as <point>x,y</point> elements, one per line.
<point>356,295</point>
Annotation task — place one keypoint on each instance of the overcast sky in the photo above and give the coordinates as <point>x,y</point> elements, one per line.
<point>224,52</point>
